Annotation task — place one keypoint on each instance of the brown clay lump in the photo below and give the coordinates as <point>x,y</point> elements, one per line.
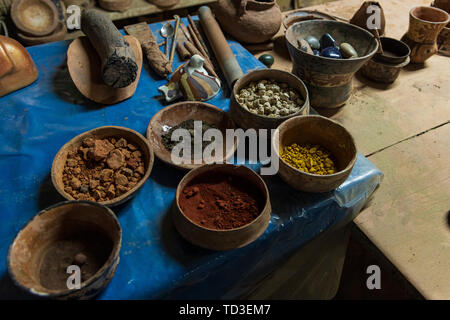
<point>102,169</point>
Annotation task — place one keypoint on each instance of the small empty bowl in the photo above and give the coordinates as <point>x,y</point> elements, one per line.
<point>174,115</point>
<point>222,239</point>
<point>71,234</point>
<point>131,136</point>
<point>324,132</point>
<point>34,17</point>
<point>394,51</point>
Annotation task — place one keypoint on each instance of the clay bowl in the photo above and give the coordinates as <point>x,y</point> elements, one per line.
<point>43,249</point>
<point>84,67</point>
<point>304,15</point>
<point>115,5</point>
<point>100,133</point>
<point>34,17</point>
<point>222,239</point>
<point>329,81</point>
<point>383,72</point>
<point>246,119</point>
<point>394,51</point>
<point>59,34</point>
<point>175,114</point>
<point>315,130</point>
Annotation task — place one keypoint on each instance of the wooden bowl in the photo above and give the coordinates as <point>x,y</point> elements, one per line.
<point>115,5</point>
<point>84,67</point>
<point>329,81</point>
<point>48,243</point>
<point>100,133</point>
<point>175,114</point>
<point>34,17</point>
<point>315,130</point>
<point>59,34</point>
<point>247,119</point>
<point>222,239</point>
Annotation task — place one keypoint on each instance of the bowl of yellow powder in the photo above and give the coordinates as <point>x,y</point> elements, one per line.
<point>315,154</point>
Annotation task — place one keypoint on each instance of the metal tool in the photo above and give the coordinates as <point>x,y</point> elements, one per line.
<point>167,32</point>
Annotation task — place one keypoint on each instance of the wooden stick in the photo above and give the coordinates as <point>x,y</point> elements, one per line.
<point>196,41</point>
<point>119,68</point>
<point>182,51</point>
<point>185,32</point>
<point>207,64</point>
<point>198,34</point>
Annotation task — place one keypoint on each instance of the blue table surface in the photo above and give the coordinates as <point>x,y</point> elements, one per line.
<point>155,262</point>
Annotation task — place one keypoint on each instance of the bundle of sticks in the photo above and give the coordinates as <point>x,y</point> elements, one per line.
<point>190,42</point>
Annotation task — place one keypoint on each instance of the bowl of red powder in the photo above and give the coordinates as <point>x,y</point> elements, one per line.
<point>221,206</point>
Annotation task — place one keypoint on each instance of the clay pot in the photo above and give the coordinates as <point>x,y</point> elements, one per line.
<point>59,34</point>
<point>175,114</point>
<point>361,17</point>
<point>34,17</point>
<point>444,42</point>
<point>247,119</point>
<point>425,24</point>
<point>131,136</point>
<point>115,5</point>
<point>383,72</point>
<point>164,3</point>
<point>315,130</point>
<point>394,51</point>
<point>35,257</point>
<point>250,21</point>
<point>17,69</point>
<point>442,4</point>
<point>329,81</point>
<point>222,239</point>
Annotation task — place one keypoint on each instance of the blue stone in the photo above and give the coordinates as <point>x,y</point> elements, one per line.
<point>327,41</point>
<point>331,52</point>
<point>316,52</point>
<point>313,42</point>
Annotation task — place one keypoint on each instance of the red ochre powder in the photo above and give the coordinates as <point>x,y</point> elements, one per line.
<point>220,201</point>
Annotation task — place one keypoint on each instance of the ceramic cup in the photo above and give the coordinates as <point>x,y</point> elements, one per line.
<point>425,24</point>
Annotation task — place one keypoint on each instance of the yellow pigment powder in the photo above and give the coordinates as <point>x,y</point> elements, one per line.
<point>312,159</point>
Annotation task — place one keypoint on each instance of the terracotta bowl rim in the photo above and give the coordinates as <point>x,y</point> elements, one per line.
<point>169,108</point>
<point>318,176</point>
<point>359,58</point>
<point>117,200</point>
<point>192,174</point>
<point>24,28</point>
<point>60,293</point>
<point>300,81</point>
<point>413,9</point>
<point>292,15</point>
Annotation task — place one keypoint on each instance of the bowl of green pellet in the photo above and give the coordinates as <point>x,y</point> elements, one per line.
<point>315,154</point>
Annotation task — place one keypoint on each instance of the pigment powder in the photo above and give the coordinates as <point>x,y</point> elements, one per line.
<point>221,201</point>
<point>311,159</point>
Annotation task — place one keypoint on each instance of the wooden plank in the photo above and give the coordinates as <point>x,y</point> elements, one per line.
<point>409,218</point>
<point>142,7</point>
<point>379,115</point>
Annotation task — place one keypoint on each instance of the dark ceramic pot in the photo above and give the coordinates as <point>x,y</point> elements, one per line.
<point>329,81</point>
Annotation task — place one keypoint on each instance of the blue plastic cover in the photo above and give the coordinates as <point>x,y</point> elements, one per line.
<point>155,262</point>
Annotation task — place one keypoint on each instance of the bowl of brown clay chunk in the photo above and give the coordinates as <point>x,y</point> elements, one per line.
<point>106,165</point>
<point>221,206</point>
<point>67,251</point>
<point>263,99</point>
<point>184,115</point>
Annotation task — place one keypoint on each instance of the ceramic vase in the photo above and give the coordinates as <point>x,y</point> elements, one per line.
<point>425,24</point>
<point>444,37</point>
<point>249,21</point>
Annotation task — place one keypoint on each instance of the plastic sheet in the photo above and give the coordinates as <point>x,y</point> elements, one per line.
<point>155,261</point>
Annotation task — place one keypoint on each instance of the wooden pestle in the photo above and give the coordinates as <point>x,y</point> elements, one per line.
<point>118,63</point>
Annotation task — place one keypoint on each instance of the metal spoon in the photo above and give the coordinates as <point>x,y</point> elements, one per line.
<point>167,32</point>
